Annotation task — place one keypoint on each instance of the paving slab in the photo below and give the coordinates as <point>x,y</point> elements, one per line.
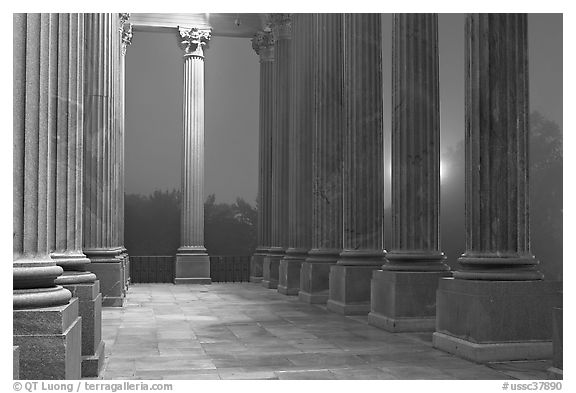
<point>245,331</point>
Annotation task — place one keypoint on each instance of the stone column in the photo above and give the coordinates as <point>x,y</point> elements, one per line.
<point>496,307</point>
<point>281,29</point>
<point>363,175</point>
<point>46,325</point>
<point>100,242</point>
<point>327,159</point>
<point>126,40</point>
<point>263,45</point>
<point>192,261</point>
<point>404,291</point>
<point>300,153</point>
<point>65,179</point>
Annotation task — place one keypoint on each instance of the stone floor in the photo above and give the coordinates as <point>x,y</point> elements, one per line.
<point>244,331</point>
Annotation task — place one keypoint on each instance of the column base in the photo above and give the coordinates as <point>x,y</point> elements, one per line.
<point>404,301</point>
<point>289,272</point>
<point>489,321</point>
<point>270,268</point>
<point>256,265</point>
<point>192,268</point>
<point>90,309</point>
<point>349,292</point>
<point>315,276</point>
<point>555,372</point>
<point>15,362</point>
<point>111,282</point>
<point>49,340</point>
<point>92,364</point>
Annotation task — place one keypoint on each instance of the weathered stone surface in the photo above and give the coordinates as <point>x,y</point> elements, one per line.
<point>289,273</point>
<point>404,301</point>
<point>256,265</point>
<point>192,269</point>
<point>315,279</point>
<point>495,320</point>
<point>557,369</point>
<point>90,309</point>
<point>49,340</point>
<point>349,292</point>
<point>111,281</point>
<point>327,158</point>
<point>270,268</point>
<point>15,362</point>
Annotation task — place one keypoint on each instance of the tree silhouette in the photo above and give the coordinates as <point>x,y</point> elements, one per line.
<point>152,225</point>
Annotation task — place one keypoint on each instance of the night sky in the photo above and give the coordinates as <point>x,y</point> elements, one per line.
<point>154,85</point>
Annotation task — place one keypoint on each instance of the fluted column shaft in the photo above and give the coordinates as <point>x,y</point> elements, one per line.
<point>415,145</point>
<point>280,132</point>
<point>192,263</point>
<point>301,129</point>
<point>327,150</point>
<point>327,159</point>
<point>300,135</point>
<point>100,129</point>
<point>102,165</point>
<point>263,45</point>
<point>497,185</point>
<point>36,41</point>
<point>265,150</point>
<point>66,157</point>
<point>192,220</point>
<point>363,175</point>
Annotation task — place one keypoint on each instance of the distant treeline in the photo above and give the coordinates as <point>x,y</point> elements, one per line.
<point>153,222</point>
<point>152,225</point>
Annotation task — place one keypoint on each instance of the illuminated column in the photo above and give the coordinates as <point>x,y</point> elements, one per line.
<point>263,45</point>
<point>100,224</point>
<point>192,261</point>
<point>66,174</point>
<point>281,29</point>
<point>300,153</point>
<point>327,159</point>
<point>496,307</point>
<point>404,291</point>
<point>126,40</point>
<point>46,325</point>
<point>363,175</point>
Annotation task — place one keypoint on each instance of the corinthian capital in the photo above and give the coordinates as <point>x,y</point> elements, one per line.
<point>281,25</point>
<point>126,31</point>
<point>263,44</point>
<point>193,39</point>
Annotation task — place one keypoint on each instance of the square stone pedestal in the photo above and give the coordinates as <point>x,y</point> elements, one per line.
<point>15,362</point>
<point>256,267</point>
<point>404,301</point>
<point>289,276</point>
<point>49,340</point>
<point>556,371</point>
<point>270,271</point>
<point>315,282</point>
<point>492,321</point>
<point>192,269</point>
<point>90,309</point>
<point>349,292</point>
<point>111,277</point>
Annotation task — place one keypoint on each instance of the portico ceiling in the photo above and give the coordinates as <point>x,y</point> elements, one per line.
<point>228,25</point>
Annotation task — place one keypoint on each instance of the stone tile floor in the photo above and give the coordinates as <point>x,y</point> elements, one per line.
<point>245,331</point>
